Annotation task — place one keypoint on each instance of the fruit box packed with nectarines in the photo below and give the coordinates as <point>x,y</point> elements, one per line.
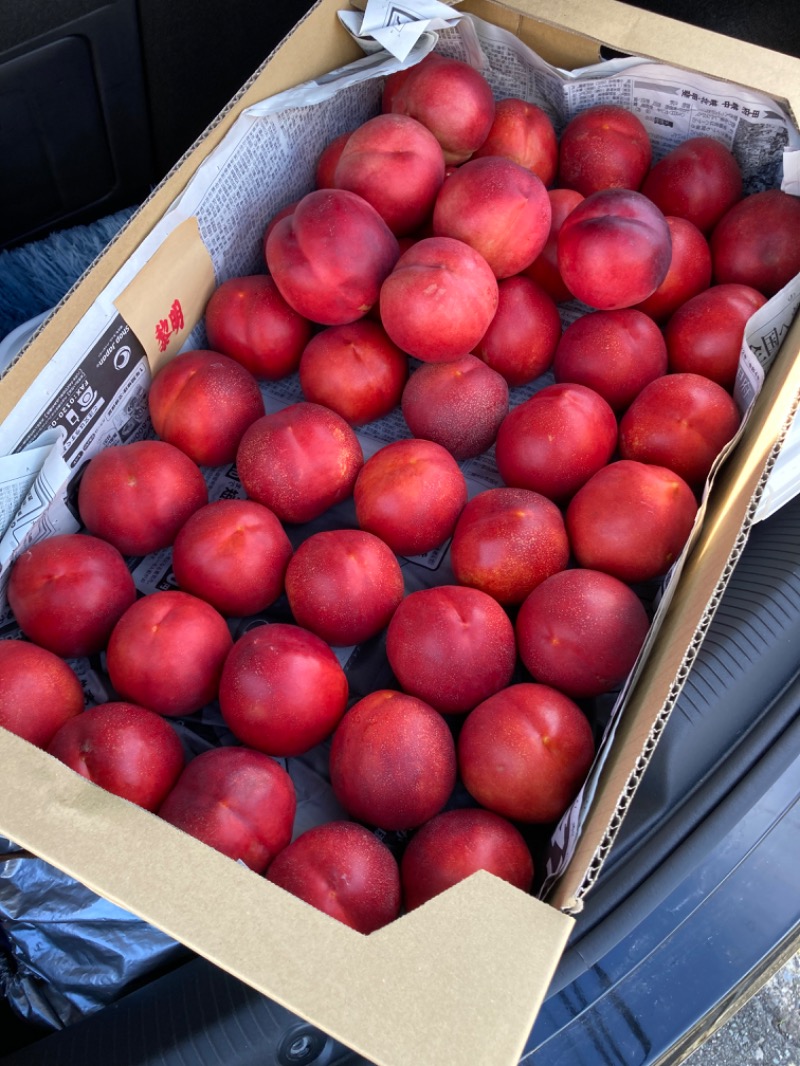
<point>352,506</point>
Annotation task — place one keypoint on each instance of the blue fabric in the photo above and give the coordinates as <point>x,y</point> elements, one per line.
<point>35,276</point>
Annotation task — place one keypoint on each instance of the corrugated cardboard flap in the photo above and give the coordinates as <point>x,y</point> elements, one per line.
<point>481,955</point>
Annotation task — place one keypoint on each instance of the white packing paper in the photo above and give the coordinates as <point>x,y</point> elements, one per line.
<point>396,27</point>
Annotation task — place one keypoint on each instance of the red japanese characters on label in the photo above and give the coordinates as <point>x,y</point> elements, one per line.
<point>166,327</point>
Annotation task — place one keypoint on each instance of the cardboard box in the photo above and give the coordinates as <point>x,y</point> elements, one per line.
<point>461,979</point>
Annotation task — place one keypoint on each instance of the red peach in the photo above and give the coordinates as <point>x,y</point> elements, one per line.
<point>344,585</point>
<point>248,319</point>
<point>524,753</point>
<point>299,461</point>
<point>327,160</point>
<point>397,165</point>
<point>138,495</point>
<point>507,541</point>
<point>456,843</point>
<point>344,870</point>
<point>39,692</point>
<point>330,256</point>
<point>499,208</point>
<point>392,85</point>
<point>697,180</point>
<point>410,494</point>
<point>451,646</point>
<point>631,520</point>
<point>166,653</point>
<point>67,593</point>
<point>202,402</point>
<point>614,249</point>
<point>705,334</point>
<point>354,370</point>
<point>459,405</point>
<point>616,353</point>
<point>233,554</point>
<point>553,442</point>
<point>544,269</point>
<point>682,422</point>
<point>522,337</point>
<point>580,632</point>
<point>239,801</point>
<point>427,93</point>
<point>125,749</point>
<point>689,271</point>
<point>438,301</point>
<point>282,690</point>
<point>755,242</point>
<point>603,147</point>
<point>523,132</point>
<point>392,761</point>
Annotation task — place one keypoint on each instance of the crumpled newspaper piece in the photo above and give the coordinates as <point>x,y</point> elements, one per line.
<point>396,27</point>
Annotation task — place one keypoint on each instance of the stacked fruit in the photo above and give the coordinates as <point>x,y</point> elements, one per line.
<point>422,279</point>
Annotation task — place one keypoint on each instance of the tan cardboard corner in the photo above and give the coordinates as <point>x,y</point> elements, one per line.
<point>459,980</point>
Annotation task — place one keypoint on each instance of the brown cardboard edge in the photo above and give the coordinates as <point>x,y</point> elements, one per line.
<point>474,963</point>
<point>560,47</point>
<point>724,534</point>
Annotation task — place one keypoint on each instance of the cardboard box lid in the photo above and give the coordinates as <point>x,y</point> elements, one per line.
<point>458,980</point>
